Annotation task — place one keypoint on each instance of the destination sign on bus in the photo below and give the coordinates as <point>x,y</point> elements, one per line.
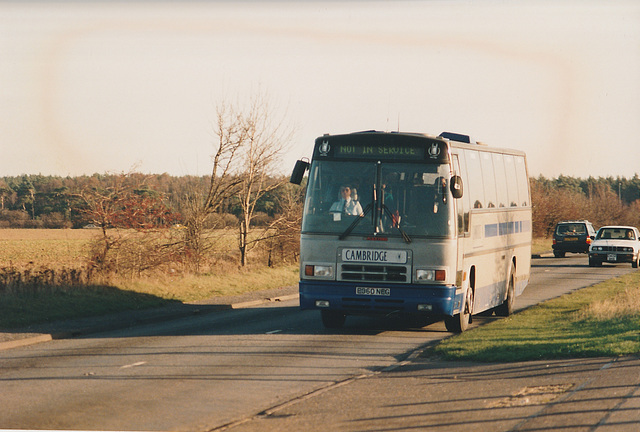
<point>378,151</point>
<point>381,146</point>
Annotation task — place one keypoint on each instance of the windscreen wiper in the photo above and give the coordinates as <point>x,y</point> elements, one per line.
<point>367,209</point>
<point>396,224</point>
<point>351,227</point>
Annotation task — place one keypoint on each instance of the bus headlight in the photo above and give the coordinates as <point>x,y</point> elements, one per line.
<point>431,275</point>
<point>323,271</point>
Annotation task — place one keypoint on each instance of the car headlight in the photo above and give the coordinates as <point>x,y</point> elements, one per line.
<point>323,271</point>
<point>431,275</point>
<point>628,249</point>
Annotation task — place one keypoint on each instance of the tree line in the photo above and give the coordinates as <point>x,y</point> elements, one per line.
<point>242,191</point>
<point>37,201</point>
<point>602,201</point>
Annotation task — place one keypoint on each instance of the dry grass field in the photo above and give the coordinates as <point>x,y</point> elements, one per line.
<point>541,246</point>
<point>53,248</point>
<point>44,276</point>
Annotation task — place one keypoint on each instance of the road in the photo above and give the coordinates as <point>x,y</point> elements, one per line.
<point>204,372</point>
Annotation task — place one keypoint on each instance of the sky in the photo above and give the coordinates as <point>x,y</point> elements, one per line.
<point>108,87</point>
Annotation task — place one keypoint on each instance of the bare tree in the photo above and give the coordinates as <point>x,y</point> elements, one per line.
<point>263,141</point>
<point>222,185</point>
<point>284,239</point>
<point>247,149</point>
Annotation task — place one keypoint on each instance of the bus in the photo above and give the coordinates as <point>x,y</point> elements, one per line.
<point>412,224</point>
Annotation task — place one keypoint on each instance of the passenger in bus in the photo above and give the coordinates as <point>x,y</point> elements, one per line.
<point>354,194</point>
<point>388,184</point>
<point>388,199</point>
<point>346,204</point>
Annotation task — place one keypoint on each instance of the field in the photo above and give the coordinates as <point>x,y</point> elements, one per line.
<point>46,269</point>
<point>45,247</point>
<point>66,247</point>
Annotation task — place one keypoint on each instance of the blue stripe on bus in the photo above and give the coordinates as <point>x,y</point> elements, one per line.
<point>505,228</point>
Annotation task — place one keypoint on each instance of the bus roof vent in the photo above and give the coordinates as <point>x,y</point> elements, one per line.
<point>457,137</point>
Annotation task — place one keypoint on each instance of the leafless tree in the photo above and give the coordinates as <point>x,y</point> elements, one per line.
<point>223,183</point>
<point>264,141</point>
<point>284,239</point>
<point>249,144</point>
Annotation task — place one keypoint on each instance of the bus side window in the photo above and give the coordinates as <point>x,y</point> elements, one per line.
<point>463,218</point>
<point>489,180</point>
<point>523,181</point>
<point>473,181</point>
<point>501,180</point>
<point>512,180</point>
<point>466,195</point>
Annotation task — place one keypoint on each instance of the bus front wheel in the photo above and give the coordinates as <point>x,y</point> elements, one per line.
<point>460,322</point>
<point>332,319</point>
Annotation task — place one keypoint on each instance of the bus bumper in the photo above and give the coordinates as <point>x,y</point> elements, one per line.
<point>352,299</point>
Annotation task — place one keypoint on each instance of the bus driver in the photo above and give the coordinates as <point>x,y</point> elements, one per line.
<point>346,205</point>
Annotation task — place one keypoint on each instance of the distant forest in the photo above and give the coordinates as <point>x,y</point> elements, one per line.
<point>603,201</point>
<point>37,201</point>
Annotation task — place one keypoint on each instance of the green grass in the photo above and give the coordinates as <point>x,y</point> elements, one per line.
<point>601,320</point>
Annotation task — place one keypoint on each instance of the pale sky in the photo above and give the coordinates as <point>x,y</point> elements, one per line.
<point>100,86</point>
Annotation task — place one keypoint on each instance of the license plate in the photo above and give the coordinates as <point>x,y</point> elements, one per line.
<point>612,257</point>
<point>373,291</point>
<point>571,239</point>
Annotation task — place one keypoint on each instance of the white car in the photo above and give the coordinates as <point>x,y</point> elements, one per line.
<point>615,244</point>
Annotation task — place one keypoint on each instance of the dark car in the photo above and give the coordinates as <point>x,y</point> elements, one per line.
<point>572,236</point>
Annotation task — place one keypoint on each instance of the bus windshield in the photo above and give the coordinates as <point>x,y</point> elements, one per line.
<point>391,198</point>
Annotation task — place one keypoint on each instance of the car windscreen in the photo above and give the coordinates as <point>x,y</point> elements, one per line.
<point>616,234</point>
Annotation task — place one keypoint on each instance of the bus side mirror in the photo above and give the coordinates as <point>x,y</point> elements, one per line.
<point>456,186</point>
<point>298,172</point>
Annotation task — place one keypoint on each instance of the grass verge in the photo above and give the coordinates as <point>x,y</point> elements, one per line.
<point>601,320</point>
<point>540,246</point>
<point>57,303</point>
<point>24,310</point>
<point>42,279</point>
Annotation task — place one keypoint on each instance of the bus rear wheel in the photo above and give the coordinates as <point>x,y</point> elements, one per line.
<point>460,322</point>
<point>332,319</point>
<point>506,308</point>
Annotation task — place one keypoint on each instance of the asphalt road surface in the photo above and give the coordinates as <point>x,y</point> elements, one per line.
<point>221,369</point>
